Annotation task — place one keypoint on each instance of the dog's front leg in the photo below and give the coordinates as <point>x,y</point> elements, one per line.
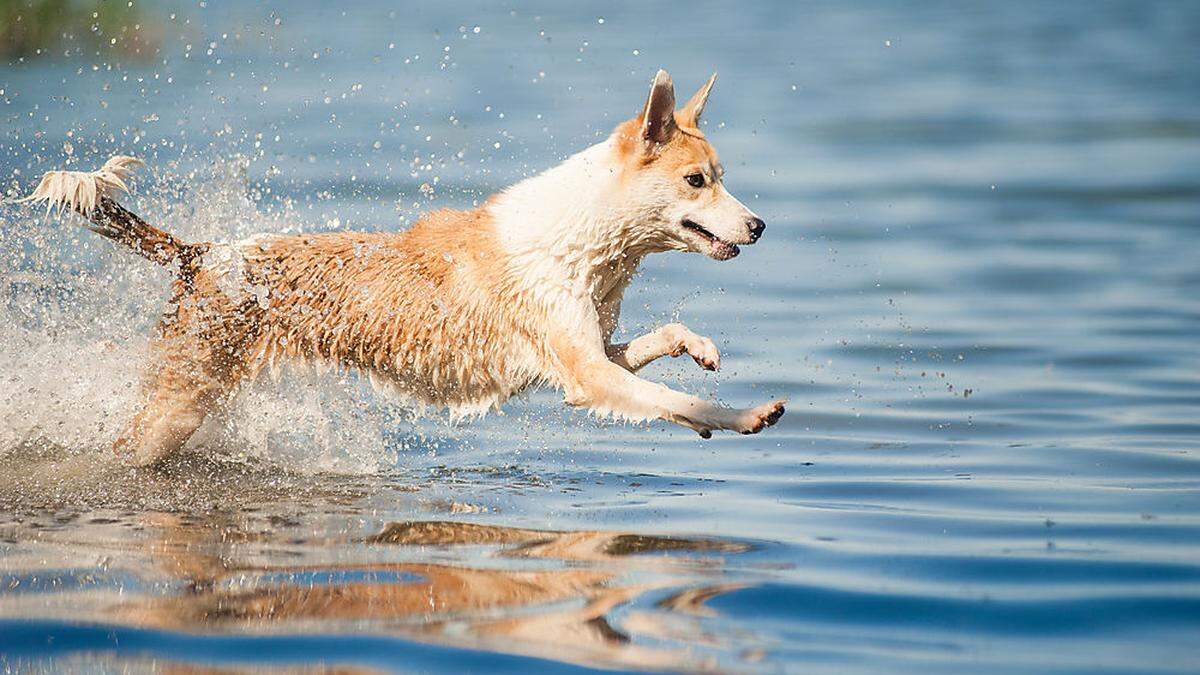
<point>673,339</point>
<point>591,380</point>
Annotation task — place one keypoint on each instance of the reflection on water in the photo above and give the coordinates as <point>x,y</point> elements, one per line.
<point>600,598</point>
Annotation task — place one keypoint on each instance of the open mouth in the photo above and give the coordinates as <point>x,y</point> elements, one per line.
<point>718,247</point>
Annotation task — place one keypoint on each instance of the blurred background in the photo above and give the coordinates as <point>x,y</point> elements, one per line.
<point>978,287</point>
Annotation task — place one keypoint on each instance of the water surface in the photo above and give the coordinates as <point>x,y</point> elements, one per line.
<point>978,288</point>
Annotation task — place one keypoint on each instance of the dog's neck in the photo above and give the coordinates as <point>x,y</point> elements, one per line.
<point>575,222</point>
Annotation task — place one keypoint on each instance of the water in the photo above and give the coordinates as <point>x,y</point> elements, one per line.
<point>978,287</point>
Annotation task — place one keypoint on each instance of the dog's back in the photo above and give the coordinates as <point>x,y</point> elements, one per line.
<point>424,310</point>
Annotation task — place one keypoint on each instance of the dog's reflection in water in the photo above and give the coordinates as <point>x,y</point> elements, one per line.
<point>534,592</point>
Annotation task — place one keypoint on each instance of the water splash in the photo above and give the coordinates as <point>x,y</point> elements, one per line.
<point>74,332</point>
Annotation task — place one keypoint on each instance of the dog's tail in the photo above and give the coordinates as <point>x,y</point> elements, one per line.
<point>92,194</point>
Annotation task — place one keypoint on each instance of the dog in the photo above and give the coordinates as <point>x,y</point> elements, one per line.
<point>461,311</point>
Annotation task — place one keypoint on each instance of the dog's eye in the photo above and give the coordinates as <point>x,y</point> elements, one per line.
<point>696,180</point>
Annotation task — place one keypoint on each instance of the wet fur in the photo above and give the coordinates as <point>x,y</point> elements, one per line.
<point>462,311</point>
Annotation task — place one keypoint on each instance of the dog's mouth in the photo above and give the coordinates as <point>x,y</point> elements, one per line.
<point>718,248</point>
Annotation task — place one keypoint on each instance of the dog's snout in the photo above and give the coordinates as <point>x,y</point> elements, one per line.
<point>756,226</point>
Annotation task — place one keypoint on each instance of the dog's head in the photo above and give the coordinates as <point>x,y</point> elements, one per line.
<point>672,177</point>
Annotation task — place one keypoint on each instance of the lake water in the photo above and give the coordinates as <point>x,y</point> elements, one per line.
<point>979,287</point>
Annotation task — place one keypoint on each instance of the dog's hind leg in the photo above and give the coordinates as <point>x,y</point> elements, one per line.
<point>182,393</point>
<point>172,414</point>
<point>196,366</point>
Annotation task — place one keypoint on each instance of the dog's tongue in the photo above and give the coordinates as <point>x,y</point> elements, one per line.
<point>723,250</point>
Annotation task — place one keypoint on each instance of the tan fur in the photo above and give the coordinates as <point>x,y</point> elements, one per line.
<point>417,310</point>
<point>687,148</point>
<point>462,311</point>
<point>418,307</point>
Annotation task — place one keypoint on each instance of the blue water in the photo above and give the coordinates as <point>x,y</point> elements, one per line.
<point>978,287</point>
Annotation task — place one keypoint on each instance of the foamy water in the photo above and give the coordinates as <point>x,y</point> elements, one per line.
<point>74,364</point>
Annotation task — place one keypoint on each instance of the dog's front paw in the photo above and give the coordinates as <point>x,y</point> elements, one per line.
<point>704,352</point>
<point>701,349</point>
<point>756,419</point>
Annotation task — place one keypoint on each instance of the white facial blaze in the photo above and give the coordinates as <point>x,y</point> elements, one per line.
<point>726,217</point>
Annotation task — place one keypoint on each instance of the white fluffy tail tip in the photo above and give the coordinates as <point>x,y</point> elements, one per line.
<point>81,190</point>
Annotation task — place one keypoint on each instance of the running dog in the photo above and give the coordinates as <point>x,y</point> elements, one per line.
<point>463,310</point>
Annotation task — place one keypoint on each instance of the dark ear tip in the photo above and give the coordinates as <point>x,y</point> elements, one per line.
<point>662,80</point>
<point>658,116</point>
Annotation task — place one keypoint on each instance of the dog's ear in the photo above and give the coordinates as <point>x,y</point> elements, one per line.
<point>691,111</point>
<point>658,117</point>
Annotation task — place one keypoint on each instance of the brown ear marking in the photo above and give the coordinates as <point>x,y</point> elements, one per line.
<point>658,116</point>
<point>691,111</point>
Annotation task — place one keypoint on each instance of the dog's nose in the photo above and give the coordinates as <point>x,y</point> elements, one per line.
<point>756,228</point>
